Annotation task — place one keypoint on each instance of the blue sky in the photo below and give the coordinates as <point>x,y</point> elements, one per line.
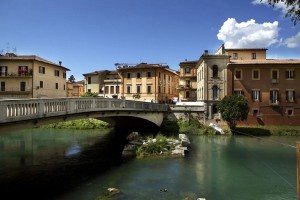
<point>89,35</point>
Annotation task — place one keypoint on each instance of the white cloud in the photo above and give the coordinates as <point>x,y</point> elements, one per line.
<point>248,34</point>
<point>293,42</point>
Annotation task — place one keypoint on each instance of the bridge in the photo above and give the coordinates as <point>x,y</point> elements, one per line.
<point>30,113</point>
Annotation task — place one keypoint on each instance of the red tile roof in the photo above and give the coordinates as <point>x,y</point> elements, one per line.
<point>267,61</point>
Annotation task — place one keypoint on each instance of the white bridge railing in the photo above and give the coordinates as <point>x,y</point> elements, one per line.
<point>24,109</point>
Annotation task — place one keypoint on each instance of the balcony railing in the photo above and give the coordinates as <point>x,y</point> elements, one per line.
<point>275,80</point>
<point>19,74</point>
<point>274,102</point>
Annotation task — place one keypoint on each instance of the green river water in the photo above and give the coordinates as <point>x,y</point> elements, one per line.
<point>82,164</point>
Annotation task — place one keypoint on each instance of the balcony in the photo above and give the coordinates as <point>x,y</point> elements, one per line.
<point>14,75</point>
<point>185,87</point>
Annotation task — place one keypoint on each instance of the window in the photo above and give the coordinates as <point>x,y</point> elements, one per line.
<point>89,90</point>
<point>215,71</point>
<point>64,87</point>
<point>253,56</point>
<point>238,74</point>
<point>138,89</point>
<point>117,89</point>
<point>255,95</point>
<point>235,56</point>
<point>22,70</point>
<point>255,74</point>
<point>128,89</point>
<point>41,84</point>
<point>56,73</point>
<point>56,86</point>
<point>238,92</point>
<point>128,75</point>
<point>158,74</point>
<point>289,111</point>
<point>2,86</point>
<point>22,86</point>
<point>290,74</point>
<point>274,97</point>
<point>89,80</point>
<point>64,75</point>
<point>290,95</point>
<point>255,112</point>
<point>138,75</point>
<point>112,89</point>
<point>149,89</point>
<point>41,70</point>
<point>215,91</point>
<point>3,70</point>
<point>274,75</point>
<point>148,74</point>
<point>187,94</point>
<point>106,89</point>
<point>187,70</point>
<point>188,83</point>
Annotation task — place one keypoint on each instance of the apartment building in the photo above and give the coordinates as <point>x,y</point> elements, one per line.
<point>187,87</point>
<point>30,76</point>
<point>212,80</point>
<point>105,83</point>
<point>271,87</point>
<point>148,82</point>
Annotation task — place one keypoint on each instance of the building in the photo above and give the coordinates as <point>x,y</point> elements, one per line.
<point>148,82</point>
<point>30,76</point>
<point>105,83</point>
<point>187,87</point>
<point>211,80</point>
<point>75,89</point>
<point>270,86</point>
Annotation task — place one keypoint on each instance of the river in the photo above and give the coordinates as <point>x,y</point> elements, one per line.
<point>82,164</point>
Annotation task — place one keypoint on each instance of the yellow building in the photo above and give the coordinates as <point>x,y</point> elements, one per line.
<point>75,89</point>
<point>148,82</point>
<point>187,87</point>
<point>29,76</point>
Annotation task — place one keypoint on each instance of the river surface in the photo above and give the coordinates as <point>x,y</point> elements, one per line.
<point>82,164</point>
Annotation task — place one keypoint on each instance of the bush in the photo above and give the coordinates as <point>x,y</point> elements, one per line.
<point>79,124</point>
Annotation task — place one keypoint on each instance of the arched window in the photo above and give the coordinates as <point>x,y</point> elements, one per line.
<point>215,71</point>
<point>215,90</point>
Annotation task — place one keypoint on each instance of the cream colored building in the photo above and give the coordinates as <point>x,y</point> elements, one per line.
<point>148,82</point>
<point>211,80</point>
<point>105,83</point>
<point>30,76</point>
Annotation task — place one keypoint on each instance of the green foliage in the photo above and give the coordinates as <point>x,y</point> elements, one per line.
<point>79,124</point>
<point>192,126</point>
<point>168,126</point>
<point>71,79</point>
<point>292,6</point>
<point>160,146</point>
<point>233,108</point>
<point>90,94</point>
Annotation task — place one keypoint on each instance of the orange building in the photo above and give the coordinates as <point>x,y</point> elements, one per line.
<point>270,86</point>
<point>148,82</point>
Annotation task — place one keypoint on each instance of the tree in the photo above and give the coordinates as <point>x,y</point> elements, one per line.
<point>293,8</point>
<point>233,108</point>
<point>72,79</point>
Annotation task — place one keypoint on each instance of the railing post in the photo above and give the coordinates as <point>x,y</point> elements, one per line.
<point>298,170</point>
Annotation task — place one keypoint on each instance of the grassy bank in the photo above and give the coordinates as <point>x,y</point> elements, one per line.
<point>79,124</point>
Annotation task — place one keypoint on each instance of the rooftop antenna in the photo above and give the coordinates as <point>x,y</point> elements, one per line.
<point>7,47</point>
<point>15,50</point>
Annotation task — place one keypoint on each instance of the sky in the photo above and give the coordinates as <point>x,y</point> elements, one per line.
<point>92,35</point>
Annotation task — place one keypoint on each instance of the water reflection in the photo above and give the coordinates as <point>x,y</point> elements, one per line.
<point>43,162</point>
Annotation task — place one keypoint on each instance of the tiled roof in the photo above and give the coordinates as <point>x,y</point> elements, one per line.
<point>30,57</point>
<point>245,49</point>
<point>267,61</point>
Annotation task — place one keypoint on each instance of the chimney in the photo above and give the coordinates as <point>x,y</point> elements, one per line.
<point>206,52</point>
<point>60,63</point>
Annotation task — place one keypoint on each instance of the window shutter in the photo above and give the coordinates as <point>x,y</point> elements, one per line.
<point>287,95</point>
